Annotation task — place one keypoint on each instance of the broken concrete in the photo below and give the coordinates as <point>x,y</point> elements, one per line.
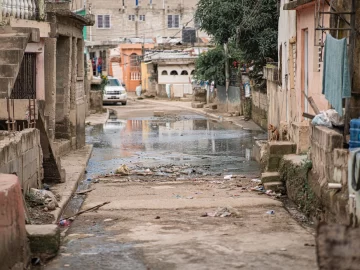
<point>44,240</point>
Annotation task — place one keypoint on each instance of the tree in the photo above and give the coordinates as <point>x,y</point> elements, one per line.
<point>252,23</point>
<point>210,66</point>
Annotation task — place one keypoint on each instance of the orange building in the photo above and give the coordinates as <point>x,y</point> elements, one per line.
<point>129,60</point>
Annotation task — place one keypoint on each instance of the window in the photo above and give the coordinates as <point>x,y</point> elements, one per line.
<point>174,72</point>
<point>113,82</point>
<point>103,21</point>
<point>142,18</point>
<point>131,17</point>
<point>164,72</point>
<point>184,72</point>
<point>173,21</point>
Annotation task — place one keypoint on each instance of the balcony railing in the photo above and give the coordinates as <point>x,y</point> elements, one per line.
<point>22,9</point>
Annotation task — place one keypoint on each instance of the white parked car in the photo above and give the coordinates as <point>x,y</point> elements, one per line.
<point>114,92</point>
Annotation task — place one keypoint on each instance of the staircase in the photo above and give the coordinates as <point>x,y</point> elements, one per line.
<point>271,178</point>
<point>13,42</point>
<point>12,48</point>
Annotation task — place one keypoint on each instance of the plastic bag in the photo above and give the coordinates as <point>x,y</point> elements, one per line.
<point>334,117</point>
<point>322,120</point>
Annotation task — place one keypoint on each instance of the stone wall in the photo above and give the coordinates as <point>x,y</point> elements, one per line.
<point>330,163</point>
<point>259,108</point>
<point>14,251</point>
<point>21,153</point>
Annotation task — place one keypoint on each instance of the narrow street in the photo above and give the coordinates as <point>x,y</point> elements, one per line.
<point>161,216</point>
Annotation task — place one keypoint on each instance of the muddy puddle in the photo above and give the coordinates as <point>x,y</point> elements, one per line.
<point>174,140</point>
<point>199,145</point>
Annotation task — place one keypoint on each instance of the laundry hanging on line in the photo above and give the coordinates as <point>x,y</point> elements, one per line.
<point>336,74</point>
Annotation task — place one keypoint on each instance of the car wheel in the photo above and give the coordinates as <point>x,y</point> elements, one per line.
<point>123,103</point>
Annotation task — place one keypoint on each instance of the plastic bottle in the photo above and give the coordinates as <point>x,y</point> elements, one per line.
<point>354,134</point>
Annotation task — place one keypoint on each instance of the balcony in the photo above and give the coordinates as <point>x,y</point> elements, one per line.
<point>22,9</point>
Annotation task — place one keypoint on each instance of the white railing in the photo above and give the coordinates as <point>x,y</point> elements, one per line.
<point>20,9</point>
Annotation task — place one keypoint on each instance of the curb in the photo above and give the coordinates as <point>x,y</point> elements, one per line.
<point>65,198</point>
<point>210,115</point>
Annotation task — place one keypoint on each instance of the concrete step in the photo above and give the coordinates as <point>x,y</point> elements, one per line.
<point>273,163</point>
<point>213,106</point>
<point>8,70</point>
<point>275,186</point>
<point>44,240</point>
<point>268,177</point>
<point>11,56</point>
<point>197,105</point>
<point>13,41</point>
<point>281,148</point>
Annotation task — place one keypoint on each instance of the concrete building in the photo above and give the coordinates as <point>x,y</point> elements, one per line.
<point>42,86</point>
<point>161,68</point>
<point>143,19</point>
<point>297,76</point>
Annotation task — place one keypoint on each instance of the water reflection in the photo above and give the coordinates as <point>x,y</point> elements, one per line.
<point>150,142</point>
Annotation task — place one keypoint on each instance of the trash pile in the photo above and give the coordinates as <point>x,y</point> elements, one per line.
<point>45,198</point>
<point>223,212</point>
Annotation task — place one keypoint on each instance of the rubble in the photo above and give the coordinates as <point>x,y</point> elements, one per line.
<point>224,212</point>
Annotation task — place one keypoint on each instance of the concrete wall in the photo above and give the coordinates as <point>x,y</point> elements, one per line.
<point>234,102</point>
<point>329,165</point>
<point>179,79</point>
<point>259,108</point>
<point>305,21</point>
<point>21,153</point>
<point>155,23</point>
<point>96,101</point>
<point>14,250</point>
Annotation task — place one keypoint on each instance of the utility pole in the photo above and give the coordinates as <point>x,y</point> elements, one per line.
<point>227,74</point>
<point>351,64</point>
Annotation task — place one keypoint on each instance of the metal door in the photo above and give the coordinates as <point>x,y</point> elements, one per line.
<point>25,84</point>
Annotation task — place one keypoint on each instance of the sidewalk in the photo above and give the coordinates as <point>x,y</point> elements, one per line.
<point>237,121</point>
<point>75,164</point>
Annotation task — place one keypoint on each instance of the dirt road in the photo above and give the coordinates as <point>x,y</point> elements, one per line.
<point>161,216</point>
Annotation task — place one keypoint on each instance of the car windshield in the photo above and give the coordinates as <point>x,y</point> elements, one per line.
<point>113,82</point>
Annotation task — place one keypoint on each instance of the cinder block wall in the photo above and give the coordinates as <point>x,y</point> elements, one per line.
<point>329,165</point>
<point>14,250</point>
<point>21,153</point>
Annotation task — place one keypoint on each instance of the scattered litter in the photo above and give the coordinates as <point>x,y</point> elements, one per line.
<point>190,198</point>
<point>89,209</point>
<point>89,179</point>
<point>157,217</point>
<point>45,197</point>
<point>64,223</point>
<point>228,177</point>
<point>283,249</point>
<point>108,219</point>
<point>84,191</point>
<point>224,212</point>
<point>309,245</point>
<point>256,180</point>
<point>66,265</point>
<point>258,188</point>
<point>270,212</point>
<point>123,170</point>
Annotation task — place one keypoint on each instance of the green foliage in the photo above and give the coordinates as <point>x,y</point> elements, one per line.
<point>104,82</point>
<point>252,23</point>
<point>210,66</point>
